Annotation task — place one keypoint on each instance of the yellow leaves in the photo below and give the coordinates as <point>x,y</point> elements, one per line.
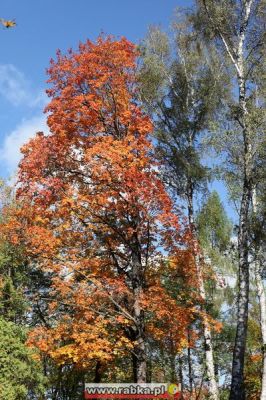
<point>39,219</point>
<point>122,346</point>
<point>64,354</point>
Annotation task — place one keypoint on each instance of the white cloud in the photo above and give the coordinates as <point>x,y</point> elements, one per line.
<point>17,89</point>
<point>10,149</point>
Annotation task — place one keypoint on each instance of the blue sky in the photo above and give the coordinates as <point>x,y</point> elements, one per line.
<point>43,26</point>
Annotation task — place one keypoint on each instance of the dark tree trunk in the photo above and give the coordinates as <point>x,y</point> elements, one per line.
<point>190,371</point>
<point>139,356</point>
<point>98,372</point>
<point>139,350</point>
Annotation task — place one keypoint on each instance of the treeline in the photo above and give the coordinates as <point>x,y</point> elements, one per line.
<point>116,263</point>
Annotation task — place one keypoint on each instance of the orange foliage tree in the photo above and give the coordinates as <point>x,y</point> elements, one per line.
<point>96,214</point>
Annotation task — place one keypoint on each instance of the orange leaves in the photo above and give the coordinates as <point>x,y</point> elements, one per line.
<point>80,340</point>
<point>100,218</point>
<point>167,317</point>
<point>41,241</point>
<point>92,86</point>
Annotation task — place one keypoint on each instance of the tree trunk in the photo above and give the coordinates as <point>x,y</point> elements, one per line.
<point>139,351</point>
<point>209,358</point>
<point>237,384</point>
<point>180,373</point>
<point>139,356</point>
<point>98,372</point>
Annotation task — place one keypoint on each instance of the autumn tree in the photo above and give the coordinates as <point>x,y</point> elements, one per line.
<point>97,215</point>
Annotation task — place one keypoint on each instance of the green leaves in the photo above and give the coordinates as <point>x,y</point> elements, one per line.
<point>20,374</point>
<point>214,227</point>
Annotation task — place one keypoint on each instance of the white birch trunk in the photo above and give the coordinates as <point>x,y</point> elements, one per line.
<point>209,357</point>
<point>237,384</point>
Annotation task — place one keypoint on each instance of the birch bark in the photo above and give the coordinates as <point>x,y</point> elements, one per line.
<point>237,384</point>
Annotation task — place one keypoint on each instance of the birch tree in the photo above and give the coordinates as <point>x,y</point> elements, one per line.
<point>181,92</point>
<point>238,30</point>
